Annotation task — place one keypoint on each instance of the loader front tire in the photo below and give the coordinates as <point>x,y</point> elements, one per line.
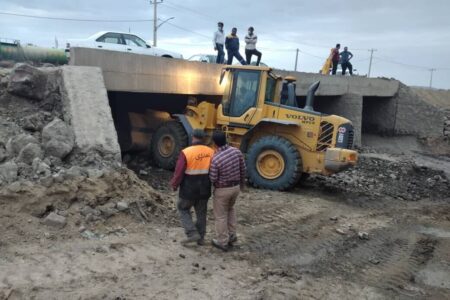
<point>167,142</point>
<point>273,163</point>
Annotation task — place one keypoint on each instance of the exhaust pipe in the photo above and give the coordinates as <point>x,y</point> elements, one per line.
<point>310,96</point>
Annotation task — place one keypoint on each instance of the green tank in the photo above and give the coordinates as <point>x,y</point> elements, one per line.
<point>16,52</point>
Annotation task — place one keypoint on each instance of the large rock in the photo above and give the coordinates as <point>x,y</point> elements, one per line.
<point>28,82</point>
<point>17,143</point>
<point>29,153</point>
<point>57,138</point>
<point>8,171</point>
<point>55,220</point>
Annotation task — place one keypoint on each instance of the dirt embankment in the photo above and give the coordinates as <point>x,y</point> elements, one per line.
<point>44,173</point>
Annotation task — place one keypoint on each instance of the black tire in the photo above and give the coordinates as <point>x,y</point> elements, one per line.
<point>168,130</point>
<point>292,163</point>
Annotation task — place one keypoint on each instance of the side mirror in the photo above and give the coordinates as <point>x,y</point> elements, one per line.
<point>148,46</point>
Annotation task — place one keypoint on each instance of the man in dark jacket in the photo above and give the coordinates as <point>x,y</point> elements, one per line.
<point>232,45</point>
<point>192,176</point>
<point>345,61</point>
<point>335,58</point>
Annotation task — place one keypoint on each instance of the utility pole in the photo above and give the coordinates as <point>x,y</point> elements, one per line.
<point>371,58</point>
<point>155,18</point>
<point>431,77</point>
<point>296,59</point>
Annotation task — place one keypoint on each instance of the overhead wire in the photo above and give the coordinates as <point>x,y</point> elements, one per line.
<point>172,5</point>
<point>72,19</point>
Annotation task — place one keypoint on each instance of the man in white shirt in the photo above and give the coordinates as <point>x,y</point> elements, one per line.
<point>218,41</point>
<point>250,46</point>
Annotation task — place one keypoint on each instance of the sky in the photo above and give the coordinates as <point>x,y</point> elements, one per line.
<point>410,36</point>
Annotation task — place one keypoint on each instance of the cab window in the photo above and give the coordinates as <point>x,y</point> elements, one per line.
<point>244,93</point>
<point>132,40</point>
<point>270,89</point>
<point>110,38</point>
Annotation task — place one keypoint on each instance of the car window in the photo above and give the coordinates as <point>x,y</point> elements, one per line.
<point>111,38</point>
<point>132,40</point>
<point>196,58</point>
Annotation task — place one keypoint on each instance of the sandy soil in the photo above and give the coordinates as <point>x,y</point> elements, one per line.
<point>302,244</point>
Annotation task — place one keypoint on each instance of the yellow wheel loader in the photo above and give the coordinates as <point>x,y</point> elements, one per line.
<point>260,115</point>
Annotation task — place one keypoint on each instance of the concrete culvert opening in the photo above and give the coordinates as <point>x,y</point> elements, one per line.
<point>137,115</point>
<point>378,116</point>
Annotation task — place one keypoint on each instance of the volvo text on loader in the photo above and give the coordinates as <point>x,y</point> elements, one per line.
<point>260,115</point>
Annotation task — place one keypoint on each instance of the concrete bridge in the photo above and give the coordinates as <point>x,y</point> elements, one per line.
<point>374,105</point>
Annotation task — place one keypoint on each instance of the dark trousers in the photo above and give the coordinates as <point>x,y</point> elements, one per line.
<point>235,53</point>
<point>345,66</point>
<point>220,54</point>
<point>184,211</point>
<point>249,53</point>
<point>335,65</point>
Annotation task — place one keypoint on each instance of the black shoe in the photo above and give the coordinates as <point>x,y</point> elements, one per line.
<point>201,242</point>
<point>232,239</point>
<point>191,239</point>
<point>216,244</point>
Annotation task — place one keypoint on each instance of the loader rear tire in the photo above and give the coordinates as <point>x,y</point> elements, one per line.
<point>273,163</point>
<point>167,142</point>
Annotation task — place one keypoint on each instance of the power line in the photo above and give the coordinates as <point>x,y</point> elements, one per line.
<point>177,6</point>
<point>72,19</point>
<point>401,64</point>
<point>188,30</point>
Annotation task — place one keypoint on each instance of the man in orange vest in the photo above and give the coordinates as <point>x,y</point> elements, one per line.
<point>192,177</point>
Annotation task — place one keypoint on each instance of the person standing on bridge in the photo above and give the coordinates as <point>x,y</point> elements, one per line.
<point>227,174</point>
<point>345,61</point>
<point>335,58</point>
<point>250,46</point>
<point>192,176</point>
<point>232,45</point>
<point>218,42</point>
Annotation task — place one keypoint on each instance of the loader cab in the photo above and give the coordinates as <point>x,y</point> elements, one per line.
<point>241,92</point>
<point>246,89</point>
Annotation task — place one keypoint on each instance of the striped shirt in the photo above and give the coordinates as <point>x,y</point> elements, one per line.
<point>227,167</point>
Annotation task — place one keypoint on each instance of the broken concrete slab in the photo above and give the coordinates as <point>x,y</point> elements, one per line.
<point>86,108</point>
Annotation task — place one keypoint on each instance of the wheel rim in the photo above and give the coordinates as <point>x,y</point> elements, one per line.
<point>166,145</point>
<point>270,164</point>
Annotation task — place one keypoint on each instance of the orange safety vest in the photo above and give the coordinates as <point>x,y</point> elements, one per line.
<point>198,159</point>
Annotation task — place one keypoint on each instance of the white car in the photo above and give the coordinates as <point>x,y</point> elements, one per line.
<point>207,58</point>
<point>120,41</point>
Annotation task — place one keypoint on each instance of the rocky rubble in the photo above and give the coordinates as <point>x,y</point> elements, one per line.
<point>447,126</point>
<point>42,172</point>
<point>377,177</point>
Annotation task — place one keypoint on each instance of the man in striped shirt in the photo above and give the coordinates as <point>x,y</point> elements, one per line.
<point>227,175</point>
